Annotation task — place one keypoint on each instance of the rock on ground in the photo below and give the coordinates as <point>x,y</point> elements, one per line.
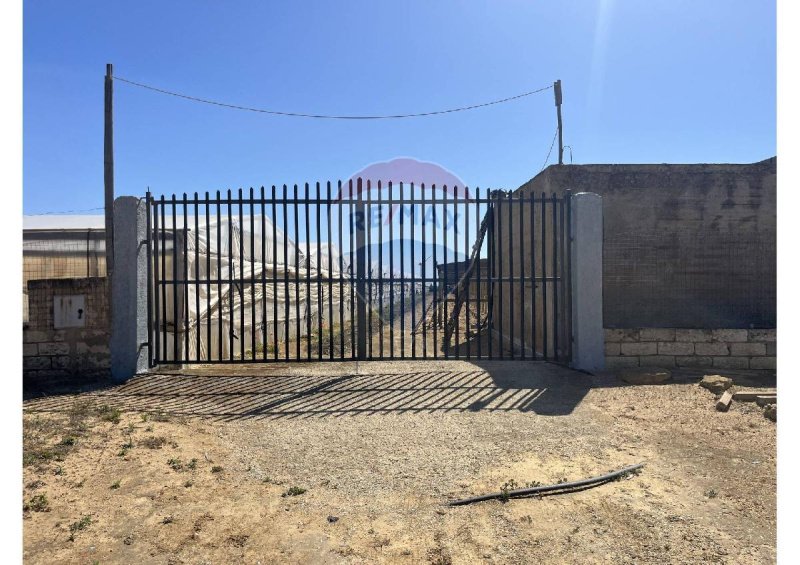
<point>716,383</point>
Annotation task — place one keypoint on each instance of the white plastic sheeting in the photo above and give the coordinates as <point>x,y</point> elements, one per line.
<point>276,284</point>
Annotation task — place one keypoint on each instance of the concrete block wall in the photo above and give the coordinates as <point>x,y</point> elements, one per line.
<point>684,246</point>
<point>720,349</point>
<point>71,354</point>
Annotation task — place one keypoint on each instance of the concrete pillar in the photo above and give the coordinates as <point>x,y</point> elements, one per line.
<point>129,289</point>
<point>588,348</point>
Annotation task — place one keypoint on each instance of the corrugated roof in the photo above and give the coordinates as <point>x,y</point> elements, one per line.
<point>63,222</point>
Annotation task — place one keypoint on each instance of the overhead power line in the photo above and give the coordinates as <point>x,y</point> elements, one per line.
<point>329,116</point>
<point>57,212</point>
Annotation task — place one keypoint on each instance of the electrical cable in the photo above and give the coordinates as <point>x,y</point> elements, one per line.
<point>552,143</point>
<point>329,116</point>
<point>56,212</point>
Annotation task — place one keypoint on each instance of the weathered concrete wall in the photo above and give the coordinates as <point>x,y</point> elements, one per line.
<point>684,246</point>
<point>54,355</point>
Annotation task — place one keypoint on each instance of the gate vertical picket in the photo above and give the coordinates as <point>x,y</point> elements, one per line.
<point>361,307</point>
<point>149,243</point>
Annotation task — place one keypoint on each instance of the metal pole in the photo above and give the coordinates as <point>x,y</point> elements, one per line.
<point>361,312</point>
<point>108,170</point>
<point>557,92</point>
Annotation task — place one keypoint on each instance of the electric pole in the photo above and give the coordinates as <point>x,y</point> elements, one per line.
<point>557,93</point>
<point>108,169</point>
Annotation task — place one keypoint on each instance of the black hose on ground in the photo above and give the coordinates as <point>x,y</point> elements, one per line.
<point>594,481</point>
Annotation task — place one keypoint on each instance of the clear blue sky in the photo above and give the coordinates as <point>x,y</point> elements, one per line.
<point>668,81</point>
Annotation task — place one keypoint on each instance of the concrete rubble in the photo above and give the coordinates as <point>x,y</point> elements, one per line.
<point>716,383</point>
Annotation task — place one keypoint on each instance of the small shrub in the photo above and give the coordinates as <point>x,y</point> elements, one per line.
<point>168,519</point>
<point>78,526</point>
<point>33,454</point>
<point>115,485</point>
<point>294,491</point>
<point>216,469</point>
<point>711,493</point>
<point>193,464</point>
<point>81,407</point>
<point>125,447</point>
<point>505,490</point>
<point>68,441</point>
<point>109,414</point>
<point>38,503</point>
<point>59,471</point>
<point>153,442</point>
<point>175,463</point>
<point>187,484</point>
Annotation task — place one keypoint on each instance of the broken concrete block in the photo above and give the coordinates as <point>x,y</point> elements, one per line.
<point>644,375</point>
<point>751,395</point>
<point>771,412</point>
<point>716,383</point>
<point>724,401</point>
<point>764,399</point>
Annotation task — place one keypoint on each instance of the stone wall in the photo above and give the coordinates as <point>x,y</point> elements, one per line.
<point>58,350</point>
<point>691,348</point>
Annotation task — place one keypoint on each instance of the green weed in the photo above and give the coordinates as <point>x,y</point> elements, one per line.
<point>37,503</point>
<point>294,491</point>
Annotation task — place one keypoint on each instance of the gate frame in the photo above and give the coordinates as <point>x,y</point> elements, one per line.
<point>132,287</point>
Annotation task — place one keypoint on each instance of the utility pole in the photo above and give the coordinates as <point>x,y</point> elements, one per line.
<point>108,170</point>
<point>557,92</point>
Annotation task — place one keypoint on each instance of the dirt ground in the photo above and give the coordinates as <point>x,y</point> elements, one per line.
<point>209,466</point>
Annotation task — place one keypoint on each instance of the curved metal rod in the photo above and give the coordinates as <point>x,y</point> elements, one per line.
<point>594,481</point>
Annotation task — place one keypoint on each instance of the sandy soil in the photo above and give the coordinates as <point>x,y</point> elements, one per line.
<point>194,468</point>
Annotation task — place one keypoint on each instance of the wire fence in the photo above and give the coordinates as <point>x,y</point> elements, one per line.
<point>61,254</point>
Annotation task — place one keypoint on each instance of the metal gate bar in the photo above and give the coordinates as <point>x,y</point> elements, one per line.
<point>310,275</point>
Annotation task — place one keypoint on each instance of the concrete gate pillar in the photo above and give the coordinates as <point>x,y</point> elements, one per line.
<point>588,347</point>
<point>129,349</point>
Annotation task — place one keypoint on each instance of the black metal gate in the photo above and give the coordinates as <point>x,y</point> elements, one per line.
<point>359,270</point>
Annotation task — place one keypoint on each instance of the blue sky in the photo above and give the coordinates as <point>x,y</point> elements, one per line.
<point>669,81</point>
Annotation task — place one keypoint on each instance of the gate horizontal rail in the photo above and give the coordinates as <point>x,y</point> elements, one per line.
<point>358,271</point>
